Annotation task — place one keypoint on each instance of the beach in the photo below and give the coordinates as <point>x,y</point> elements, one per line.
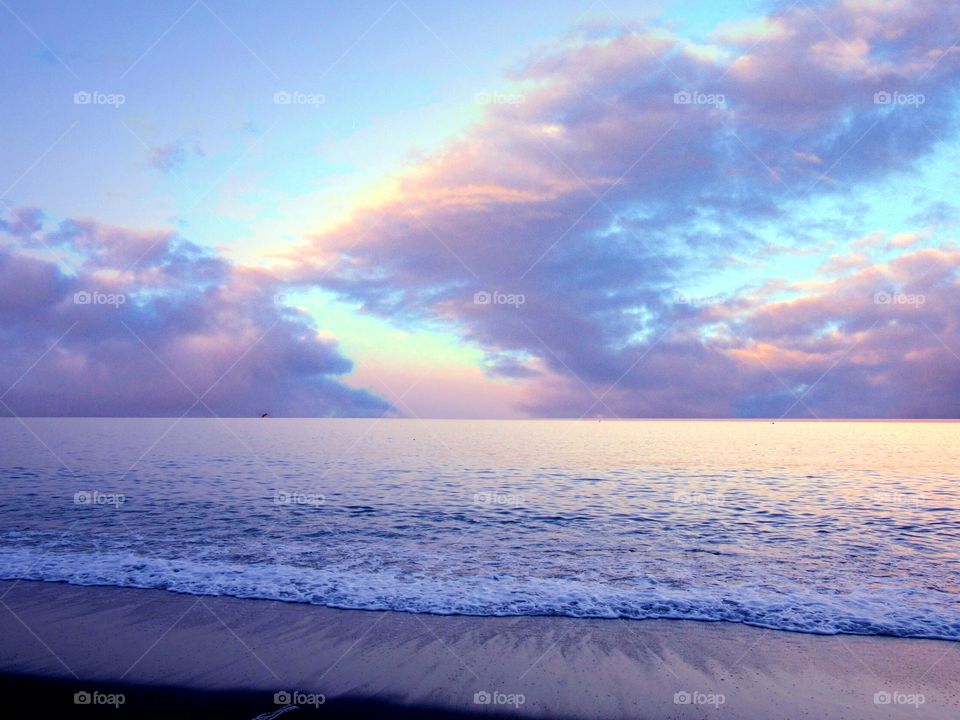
<point>563,360</point>
<point>230,657</point>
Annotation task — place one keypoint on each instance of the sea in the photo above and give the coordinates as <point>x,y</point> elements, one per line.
<point>816,527</point>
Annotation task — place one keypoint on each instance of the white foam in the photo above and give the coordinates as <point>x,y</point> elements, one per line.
<point>801,609</point>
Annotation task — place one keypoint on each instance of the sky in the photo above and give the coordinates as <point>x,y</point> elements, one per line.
<point>487,210</point>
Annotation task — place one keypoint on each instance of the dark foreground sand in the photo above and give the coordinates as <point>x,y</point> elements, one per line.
<point>175,655</point>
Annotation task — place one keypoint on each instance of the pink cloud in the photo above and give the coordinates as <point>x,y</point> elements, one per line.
<point>147,323</point>
<point>605,193</point>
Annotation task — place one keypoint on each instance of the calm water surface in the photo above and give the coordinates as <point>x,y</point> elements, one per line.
<point>815,527</point>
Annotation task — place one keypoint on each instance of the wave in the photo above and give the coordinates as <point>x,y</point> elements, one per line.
<point>797,609</point>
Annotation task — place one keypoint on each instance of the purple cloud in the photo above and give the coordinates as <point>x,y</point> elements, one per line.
<point>638,164</point>
<point>147,323</point>
<point>171,158</point>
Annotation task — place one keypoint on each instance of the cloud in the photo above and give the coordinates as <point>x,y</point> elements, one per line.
<point>171,158</point>
<point>636,166</point>
<point>880,341</point>
<point>23,222</point>
<point>146,323</point>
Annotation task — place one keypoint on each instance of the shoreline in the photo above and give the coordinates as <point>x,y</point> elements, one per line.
<point>225,654</point>
<point>5,582</point>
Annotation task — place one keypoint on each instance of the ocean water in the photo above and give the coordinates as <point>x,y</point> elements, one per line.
<point>819,527</point>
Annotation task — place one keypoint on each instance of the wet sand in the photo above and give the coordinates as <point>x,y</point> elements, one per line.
<point>228,657</point>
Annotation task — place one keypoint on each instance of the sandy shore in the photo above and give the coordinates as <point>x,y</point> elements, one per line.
<point>236,654</point>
